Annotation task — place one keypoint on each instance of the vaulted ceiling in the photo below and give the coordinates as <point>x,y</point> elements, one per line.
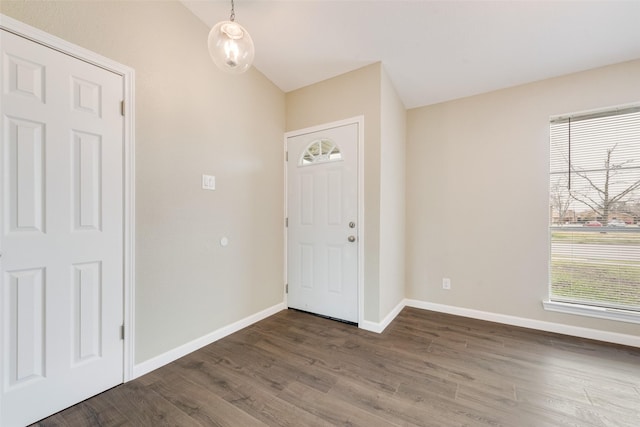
<point>433,51</point>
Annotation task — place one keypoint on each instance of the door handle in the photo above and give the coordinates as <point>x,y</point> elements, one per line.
<point>351,238</point>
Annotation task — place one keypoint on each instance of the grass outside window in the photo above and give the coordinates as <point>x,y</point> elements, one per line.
<point>596,268</point>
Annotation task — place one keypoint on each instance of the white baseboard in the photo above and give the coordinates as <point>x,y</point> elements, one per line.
<point>378,327</point>
<point>178,352</point>
<point>381,326</point>
<point>577,331</point>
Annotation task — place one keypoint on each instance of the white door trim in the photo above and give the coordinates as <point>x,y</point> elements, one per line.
<point>128,74</point>
<point>359,120</point>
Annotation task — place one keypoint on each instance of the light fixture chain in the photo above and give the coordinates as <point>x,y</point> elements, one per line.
<point>232,18</point>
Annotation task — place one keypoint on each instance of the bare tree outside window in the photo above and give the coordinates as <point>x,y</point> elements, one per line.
<point>605,189</point>
<point>560,200</point>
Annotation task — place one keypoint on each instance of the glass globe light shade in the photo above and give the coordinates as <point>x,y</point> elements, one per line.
<point>231,47</point>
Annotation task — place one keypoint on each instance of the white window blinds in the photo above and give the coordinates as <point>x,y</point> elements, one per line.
<point>594,195</point>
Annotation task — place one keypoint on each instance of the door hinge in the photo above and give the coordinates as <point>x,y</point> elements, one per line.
<point>286,288</point>
<point>286,156</point>
<point>122,332</point>
<point>122,107</point>
<point>286,222</point>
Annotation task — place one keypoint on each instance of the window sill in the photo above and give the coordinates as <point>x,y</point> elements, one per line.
<point>591,311</point>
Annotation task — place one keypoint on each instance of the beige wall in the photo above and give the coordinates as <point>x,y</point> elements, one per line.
<point>349,95</point>
<point>477,193</point>
<point>393,134</point>
<point>190,119</point>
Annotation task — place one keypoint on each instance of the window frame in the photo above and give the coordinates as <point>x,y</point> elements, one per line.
<point>565,305</point>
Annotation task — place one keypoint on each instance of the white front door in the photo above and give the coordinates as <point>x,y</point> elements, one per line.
<point>322,209</point>
<point>61,219</point>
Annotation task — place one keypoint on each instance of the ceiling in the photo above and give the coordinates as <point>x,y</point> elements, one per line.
<point>434,51</point>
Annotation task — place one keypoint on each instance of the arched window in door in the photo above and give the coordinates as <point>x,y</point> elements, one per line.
<point>320,151</point>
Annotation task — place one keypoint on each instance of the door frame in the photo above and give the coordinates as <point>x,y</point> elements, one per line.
<point>359,120</point>
<point>128,191</point>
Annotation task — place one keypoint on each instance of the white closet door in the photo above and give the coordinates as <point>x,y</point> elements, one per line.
<point>61,219</point>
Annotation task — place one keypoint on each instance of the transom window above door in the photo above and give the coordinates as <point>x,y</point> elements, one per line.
<point>320,151</point>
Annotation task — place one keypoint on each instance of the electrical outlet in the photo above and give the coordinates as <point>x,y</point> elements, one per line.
<point>446,283</point>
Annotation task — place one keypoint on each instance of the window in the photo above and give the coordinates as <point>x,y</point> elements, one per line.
<point>594,196</point>
<point>320,151</point>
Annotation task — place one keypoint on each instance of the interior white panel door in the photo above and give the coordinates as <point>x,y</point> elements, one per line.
<point>61,219</point>
<point>322,208</point>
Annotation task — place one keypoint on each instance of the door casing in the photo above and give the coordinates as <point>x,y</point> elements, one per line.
<point>128,74</point>
<point>359,120</point>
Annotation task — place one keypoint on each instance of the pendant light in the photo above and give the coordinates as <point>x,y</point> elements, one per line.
<point>230,45</point>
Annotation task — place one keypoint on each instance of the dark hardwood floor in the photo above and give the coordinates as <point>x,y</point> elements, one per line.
<point>426,369</point>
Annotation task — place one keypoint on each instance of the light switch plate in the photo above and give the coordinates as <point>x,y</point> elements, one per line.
<point>208,182</point>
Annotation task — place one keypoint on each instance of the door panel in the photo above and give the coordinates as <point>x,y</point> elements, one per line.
<point>86,174</point>
<point>86,304</point>
<point>26,315</point>
<point>25,170</point>
<point>322,198</point>
<point>61,215</point>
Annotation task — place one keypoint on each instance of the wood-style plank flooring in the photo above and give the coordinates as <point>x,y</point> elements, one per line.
<point>426,369</point>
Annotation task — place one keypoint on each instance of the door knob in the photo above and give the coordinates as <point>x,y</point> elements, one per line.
<point>351,238</point>
<point>352,224</point>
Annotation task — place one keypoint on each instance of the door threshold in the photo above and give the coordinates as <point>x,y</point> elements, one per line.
<point>348,322</point>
